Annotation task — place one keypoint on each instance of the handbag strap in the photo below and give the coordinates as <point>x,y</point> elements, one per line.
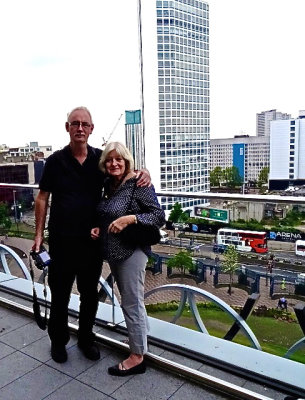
<point>131,198</point>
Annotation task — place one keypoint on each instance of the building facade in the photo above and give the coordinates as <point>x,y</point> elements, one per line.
<point>264,118</point>
<point>176,97</point>
<point>287,153</point>
<point>250,154</point>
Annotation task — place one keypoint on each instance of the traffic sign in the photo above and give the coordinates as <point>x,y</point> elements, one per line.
<point>212,214</point>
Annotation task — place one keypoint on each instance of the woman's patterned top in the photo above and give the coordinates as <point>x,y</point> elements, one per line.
<point>144,205</point>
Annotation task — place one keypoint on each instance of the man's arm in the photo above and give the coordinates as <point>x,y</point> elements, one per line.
<point>41,206</point>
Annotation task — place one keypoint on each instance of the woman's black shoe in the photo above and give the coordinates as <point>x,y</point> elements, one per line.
<point>138,369</point>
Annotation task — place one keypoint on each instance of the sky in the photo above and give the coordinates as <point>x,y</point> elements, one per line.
<point>56,55</point>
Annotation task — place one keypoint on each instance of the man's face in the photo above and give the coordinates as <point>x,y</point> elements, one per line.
<point>79,126</point>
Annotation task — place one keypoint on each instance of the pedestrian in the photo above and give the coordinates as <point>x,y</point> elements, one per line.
<point>125,204</point>
<point>283,284</point>
<point>72,176</point>
<point>282,303</point>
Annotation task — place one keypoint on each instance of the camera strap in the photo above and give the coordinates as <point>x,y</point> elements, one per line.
<point>40,320</point>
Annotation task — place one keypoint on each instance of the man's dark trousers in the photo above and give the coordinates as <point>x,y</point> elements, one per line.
<point>73,258</point>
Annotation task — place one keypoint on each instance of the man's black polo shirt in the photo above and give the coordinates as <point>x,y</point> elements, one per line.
<point>76,191</point>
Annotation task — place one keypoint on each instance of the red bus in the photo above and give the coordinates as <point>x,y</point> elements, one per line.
<point>243,240</point>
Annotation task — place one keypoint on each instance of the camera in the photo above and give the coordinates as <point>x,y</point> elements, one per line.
<point>41,258</point>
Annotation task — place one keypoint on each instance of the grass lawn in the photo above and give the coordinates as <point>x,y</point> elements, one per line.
<point>275,335</point>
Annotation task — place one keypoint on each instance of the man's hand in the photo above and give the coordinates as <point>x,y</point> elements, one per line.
<point>95,233</point>
<point>143,177</point>
<point>37,243</point>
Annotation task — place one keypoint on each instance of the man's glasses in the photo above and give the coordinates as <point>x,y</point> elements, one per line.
<point>77,124</point>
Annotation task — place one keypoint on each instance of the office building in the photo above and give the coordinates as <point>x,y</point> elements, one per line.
<point>176,101</point>
<point>250,154</point>
<point>264,118</point>
<point>287,153</point>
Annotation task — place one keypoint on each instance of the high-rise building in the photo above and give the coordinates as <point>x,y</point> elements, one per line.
<point>287,153</point>
<point>250,154</point>
<point>134,137</point>
<point>264,118</point>
<point>176,98</point>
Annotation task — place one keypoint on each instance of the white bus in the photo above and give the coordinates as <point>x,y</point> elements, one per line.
<point>300,247</point>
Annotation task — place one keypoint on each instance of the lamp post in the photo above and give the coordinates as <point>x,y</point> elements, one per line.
<point>15,210</point>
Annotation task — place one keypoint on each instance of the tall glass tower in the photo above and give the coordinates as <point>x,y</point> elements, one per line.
<point>176,118</point>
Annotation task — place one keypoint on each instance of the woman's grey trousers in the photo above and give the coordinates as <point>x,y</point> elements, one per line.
<point>130,275</point>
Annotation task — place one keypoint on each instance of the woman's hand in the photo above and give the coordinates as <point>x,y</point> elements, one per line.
<point>95,233</point>
<point>119,224</point>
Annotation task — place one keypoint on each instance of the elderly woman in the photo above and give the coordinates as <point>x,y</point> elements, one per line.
<point>127,262</point>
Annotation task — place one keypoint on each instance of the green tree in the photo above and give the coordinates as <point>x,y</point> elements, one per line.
<point>230,264</point>
<point>177,214</point>
<point>216,176</point>
<point>263,176</point>
<point>182,261</point>
<point>232,177</point>
<point>5,221</point>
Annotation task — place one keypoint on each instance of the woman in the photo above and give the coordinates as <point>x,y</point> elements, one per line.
<point>127,263</point>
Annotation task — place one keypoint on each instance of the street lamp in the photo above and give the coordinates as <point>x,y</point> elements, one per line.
<point>15,206</point>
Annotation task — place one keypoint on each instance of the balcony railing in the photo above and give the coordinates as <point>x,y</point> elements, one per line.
<point>14,277</point>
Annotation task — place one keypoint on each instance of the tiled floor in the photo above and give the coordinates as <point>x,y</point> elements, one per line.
<point>28,372</point>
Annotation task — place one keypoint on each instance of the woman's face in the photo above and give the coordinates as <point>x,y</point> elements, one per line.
<point>115,165</point>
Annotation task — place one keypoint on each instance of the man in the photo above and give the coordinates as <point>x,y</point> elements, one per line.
<point>72,176</point>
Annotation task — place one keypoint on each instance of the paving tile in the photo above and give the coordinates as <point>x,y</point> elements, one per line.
<point>40,349</point>
<point>266,391</point>
<point>35,385</point>
<point>15,365</point>
<point>77,390</point>
<point>5,350</point>
<point>23,336</point>
<point>10,320</point>
<point>195,392</point>
<point>77,362</point>
<point>152,385</point>
<point>97,376</point>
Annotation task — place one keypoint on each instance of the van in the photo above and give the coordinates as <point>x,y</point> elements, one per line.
<point>164,236</point>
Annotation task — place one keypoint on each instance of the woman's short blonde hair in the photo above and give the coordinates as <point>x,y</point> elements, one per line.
<point>122,151</point>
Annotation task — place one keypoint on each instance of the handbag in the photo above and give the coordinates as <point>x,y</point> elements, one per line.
<point>139,234</point>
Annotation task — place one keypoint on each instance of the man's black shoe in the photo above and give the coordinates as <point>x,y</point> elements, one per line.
<point>59,353</point>
<point>90,350</point>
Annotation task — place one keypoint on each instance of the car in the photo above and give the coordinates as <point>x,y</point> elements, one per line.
<point>164,236</point>
<point>219,248</point>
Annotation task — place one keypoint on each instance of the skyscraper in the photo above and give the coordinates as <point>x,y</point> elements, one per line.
<point>264,118</point>
<point>176,98</point>
<point>287,153</point>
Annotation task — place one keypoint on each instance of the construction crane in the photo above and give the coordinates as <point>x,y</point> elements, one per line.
<point>105,141</point>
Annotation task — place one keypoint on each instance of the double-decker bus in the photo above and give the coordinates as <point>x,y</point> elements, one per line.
<point>243,240</point>
<point>300,247</point>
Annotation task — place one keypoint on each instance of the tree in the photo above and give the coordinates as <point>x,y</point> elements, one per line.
<point>230,264</point>
<point>232,177</point>
<point>216,176</point>
<point>182,261</point>
<point>177,214</point>
<point>5,221</point>
<point>263,176</point>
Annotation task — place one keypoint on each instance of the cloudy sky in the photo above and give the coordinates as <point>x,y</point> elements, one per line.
<point>58,54</point>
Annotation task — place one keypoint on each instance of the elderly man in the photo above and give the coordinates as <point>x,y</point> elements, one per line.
<point>72,176</point>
